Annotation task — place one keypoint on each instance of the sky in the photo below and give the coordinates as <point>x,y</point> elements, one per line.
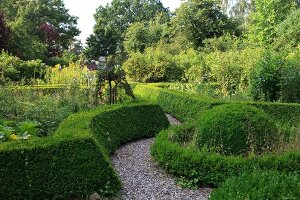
<point>85,9</point>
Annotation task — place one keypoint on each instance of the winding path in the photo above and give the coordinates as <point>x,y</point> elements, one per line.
<point>143,180</point>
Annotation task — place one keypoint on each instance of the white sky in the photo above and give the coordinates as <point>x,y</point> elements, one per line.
<point>85,9</point>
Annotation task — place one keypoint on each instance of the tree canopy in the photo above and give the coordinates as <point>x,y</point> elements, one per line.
<point>39,28</point>
<point>113,20</point>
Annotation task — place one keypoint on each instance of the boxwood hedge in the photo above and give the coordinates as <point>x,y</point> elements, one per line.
<point>74,162</point>
<point>211,169</point>
<point>203,167</point>
<point>187,106</point>
<point>259,185</point>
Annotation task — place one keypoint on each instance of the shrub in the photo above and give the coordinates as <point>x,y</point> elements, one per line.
<point>154,65</point>
<point>265,77</point>
<point>290,80</point>
<point>204,168</point>
<point>74,162</point>
<point>186,106</point>
<point>259,185</point>
<point>15,69</point>
<point>183,134</point>
<point>235,129</point>
<point>129,123</point>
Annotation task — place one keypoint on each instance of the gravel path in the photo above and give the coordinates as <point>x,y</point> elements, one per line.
<point>142,179</point>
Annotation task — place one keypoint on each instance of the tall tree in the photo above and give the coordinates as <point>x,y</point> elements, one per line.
<point>31,19</point>
<point>112,22</point>
<point>4,33</point>
<point>141,35</point>
<point>201,19</point>
<point>267,16</point>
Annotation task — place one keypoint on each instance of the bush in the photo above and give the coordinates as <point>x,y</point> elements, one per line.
<point>265,77</point>
<point>154,65</point>
<point>235,129</point>
<point>183,134</point>
<point>204,168</point>
<point>129,123</point>
<point>15,69</point>
<point>74,163</point>
<point>186,106</point>
<point>290,80</point>
<point>259,185</point>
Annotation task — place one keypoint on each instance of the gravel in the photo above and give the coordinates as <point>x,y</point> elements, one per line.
<point>142,179</point>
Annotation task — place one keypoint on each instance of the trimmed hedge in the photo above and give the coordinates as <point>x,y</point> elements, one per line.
<point>183,105</point>
<point>260,185</point>
<point>186,106</point>
<point>233,129</point>
<point>74,162</point>
<point>205,168</point>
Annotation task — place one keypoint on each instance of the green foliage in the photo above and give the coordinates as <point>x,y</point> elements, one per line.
<point>156,64</point>
<point>287,32</point>
<point>259,185</point>
<point>14,69</point>
<point>112,22</point>
<point>193,63</point>
<point>231,69</point>
<point>267,16</point>
<point>235,129</point>
<point>183,105</point>
<point>47,106</point>
<point>186,106</point>
<point>10,130</point>
<point>265,77</point>
<point>204,168</point>
<point>290,79</point>
<point>198,20</point>
<point>69,74</point>
<point>28,40</point>
<point>141,35</point>
<point>183,134</point>
<point>74,162</point>
<point>129,124</point>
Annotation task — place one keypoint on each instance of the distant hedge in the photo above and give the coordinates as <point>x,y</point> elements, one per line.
<point>74,162</point>
<point>183,105</point>
<point>211,169</point>
<point>186,106</point>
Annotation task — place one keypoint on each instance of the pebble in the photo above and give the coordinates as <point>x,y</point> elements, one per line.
<point>142,179</point>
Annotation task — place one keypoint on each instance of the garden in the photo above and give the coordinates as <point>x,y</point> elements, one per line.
<point>198,103</point>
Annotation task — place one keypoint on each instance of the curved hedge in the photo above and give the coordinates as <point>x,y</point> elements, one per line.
<point>74,162</point>
<point>187,106</point>
<point>206,168</point>
<point>232,129</point>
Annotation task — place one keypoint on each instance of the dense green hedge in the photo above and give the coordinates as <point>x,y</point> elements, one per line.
<point>128,124</point>
<point>186,106</point>
<point>259,185</point>
<point>205,168</point>
<point>74,163</point>
<point>233,129</point>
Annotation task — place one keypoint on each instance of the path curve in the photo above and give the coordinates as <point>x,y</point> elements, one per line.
<point>143,180</point>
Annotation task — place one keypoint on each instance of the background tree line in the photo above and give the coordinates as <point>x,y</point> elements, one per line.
<point>248,48</point>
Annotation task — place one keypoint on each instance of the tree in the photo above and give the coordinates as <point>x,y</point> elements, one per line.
<point>288,32</point>
<point>141,35</point>
<point>112,22</point>
<point>201,19</point>
<point>4,33</point>
<point>33,21</point>
<point>267,16</point>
